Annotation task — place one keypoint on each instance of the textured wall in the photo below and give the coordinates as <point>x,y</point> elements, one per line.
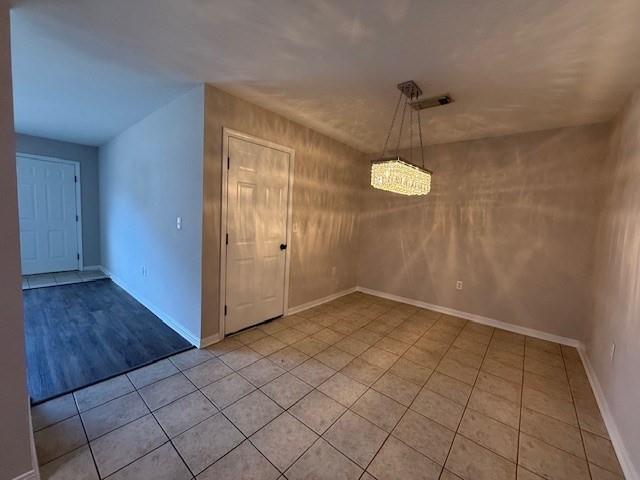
<point>15,456</point>
<point>88,158</point>
<point>512,217</point>
<point>150,174</point>
<point>616,315</point>
<point>325,202</point>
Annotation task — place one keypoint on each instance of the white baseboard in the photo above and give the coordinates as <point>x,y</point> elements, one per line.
<point>475,318</point>
<point>98,268</point>
<point>35,473</point>
<point>616,439</point>
<point>319,301</point>
<point>629,470</point>
<point>30,475</point>
<point>167,319</point>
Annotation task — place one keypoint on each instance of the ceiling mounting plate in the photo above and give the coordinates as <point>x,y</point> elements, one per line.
<point>410,89</point>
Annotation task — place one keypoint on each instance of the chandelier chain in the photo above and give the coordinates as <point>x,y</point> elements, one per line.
<point>404,109</point>
<point>420,133</point>
<point>411,135</point>
<point>393,121</point>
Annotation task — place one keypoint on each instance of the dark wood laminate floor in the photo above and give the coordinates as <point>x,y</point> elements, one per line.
<point>79,334</point>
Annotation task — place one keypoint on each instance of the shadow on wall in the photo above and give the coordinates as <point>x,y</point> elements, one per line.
<point>616,318</point>
<point>325,209</point>
<point>328,180</point>
<point>512,217</point>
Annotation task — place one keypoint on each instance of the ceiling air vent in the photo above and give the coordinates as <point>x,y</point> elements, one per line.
<point>431,102</point>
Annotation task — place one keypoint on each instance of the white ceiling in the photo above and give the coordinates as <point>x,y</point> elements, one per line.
<point>86,70</point>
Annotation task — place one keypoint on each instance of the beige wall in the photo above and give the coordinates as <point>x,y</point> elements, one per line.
<point>515,218</point>
<point>325,202</point>
<point>15,456</point>
<point>512,217</point>
<point>616,315</point>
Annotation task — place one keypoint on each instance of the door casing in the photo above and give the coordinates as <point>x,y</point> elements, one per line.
<point>78,190</point>
<point>226,134</point>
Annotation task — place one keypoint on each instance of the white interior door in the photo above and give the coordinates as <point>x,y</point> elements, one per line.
<point>257,202</point>
<point>48,221</point>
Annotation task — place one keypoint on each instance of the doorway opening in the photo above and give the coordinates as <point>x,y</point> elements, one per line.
<point>80,327</point>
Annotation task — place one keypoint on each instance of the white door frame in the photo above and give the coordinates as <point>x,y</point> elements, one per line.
<point>226,134</point>
<point>76,166</point>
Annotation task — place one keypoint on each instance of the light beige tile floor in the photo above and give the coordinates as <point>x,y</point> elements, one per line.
<point>357,388</point>
<point>60,278</point>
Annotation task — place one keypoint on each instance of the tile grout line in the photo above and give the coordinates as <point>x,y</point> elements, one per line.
<point>169,439</point>
<point>575,410</point>
<point>249,393</point>
<point>381,393</point>
<point>152,413</point>
<point>88,444</point>
<point>364,470</point>
<point>259,389</point>
<point>79,413</point>
<point>524,359</point>
<point>135,389</point>
<point>522,407</point>
<point>369,387</point>
<point>286,410</point>
<point>220,410</point>
<point>468,399</point>
<point>269,422</point>
<point>149,412</point>
<point>140,458</point>
<point>385,371</point>
<point>423,386</point>
<point>543,440</point>
<point>320,436</point>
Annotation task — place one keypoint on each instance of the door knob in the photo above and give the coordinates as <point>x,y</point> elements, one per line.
<point>283,246</point>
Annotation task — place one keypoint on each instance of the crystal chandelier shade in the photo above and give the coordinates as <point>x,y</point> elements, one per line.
<point>397,176</point>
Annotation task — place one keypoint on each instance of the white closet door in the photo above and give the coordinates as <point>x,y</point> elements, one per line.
<point>257,194</point>
<point>48,222</point>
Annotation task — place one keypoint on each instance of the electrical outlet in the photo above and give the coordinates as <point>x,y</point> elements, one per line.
<point>333,271</point>
<point>179,223</point>
<point>612,352</point>
<point>459,285</point>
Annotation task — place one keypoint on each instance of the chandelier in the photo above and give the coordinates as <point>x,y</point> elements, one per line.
<point>393,173</point>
